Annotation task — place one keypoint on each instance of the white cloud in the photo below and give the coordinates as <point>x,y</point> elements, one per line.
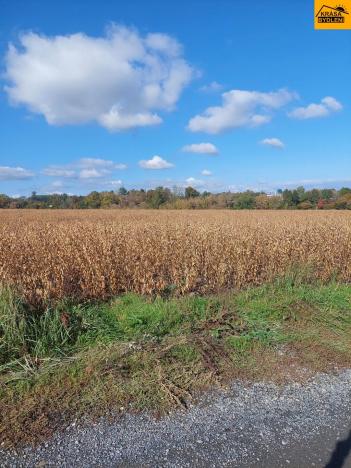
<point>327,106</point>
<point>194,182</point>
<point>214,87</point>
<point>84,168</point>
<point>93,173</point>
<point>332,103</point>
<point>15,173</point>
<point>100,163</point>
<point>57,184</point>
<point>115,120</point>
<point>119,80</point>
<point>114,183</point>
<point>275,142</point>
<point>55,171</point>
<point>155,162</point>
<point>201,148</point>
<point>206,172</point>
<point>240,109</point>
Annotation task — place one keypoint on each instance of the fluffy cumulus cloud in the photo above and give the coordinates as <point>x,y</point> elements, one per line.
<point>275,142</point>
<point>327,106</point>
<point>85,168</point>
<point>240,109</point>
<point>206,172</point>
<point>15,173</point>
<point>201,148</point>
<point>120,80</point>
<point>156,162</point>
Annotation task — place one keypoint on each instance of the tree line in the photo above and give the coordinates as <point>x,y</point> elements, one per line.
<point>188,198</point>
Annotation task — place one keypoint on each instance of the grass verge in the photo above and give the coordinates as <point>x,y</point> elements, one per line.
<point>135,353</point>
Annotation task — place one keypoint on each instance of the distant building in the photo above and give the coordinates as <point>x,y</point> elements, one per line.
<point>273,194</point>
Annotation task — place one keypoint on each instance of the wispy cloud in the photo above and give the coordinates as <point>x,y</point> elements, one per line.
<point>275,142</point>
<point>212,87</point>
<point>85,168</point>
<point>327,182</point>
<point>206,172</point>
<point>114,183</point>
<point>15,173</point>
<point>57,171</point>
<point>194,182</point>
<point>200,148</point>
<point>102,163</point>
<point>93,173</point>
<point>57,184</point>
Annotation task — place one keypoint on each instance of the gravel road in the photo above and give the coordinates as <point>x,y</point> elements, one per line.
<point>257,426</point>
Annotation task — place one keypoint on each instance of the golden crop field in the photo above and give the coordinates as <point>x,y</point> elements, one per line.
<point>49,255</point>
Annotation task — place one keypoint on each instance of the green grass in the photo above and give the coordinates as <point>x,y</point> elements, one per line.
<point>137,353</point>
<point>66,330</point>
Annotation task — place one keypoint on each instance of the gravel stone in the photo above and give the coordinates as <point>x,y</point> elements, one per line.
<point>262,425</point>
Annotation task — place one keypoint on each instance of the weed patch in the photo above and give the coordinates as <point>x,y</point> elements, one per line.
<point>135,353</point>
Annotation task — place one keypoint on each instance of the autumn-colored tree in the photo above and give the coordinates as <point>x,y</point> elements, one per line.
<point>320,204</point>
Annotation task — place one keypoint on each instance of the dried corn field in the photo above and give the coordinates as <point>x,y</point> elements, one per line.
<point>49,255</point>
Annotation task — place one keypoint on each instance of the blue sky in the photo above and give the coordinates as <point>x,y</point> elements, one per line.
<point>215,94</point>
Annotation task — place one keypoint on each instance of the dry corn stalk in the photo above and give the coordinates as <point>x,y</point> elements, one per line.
<point>96,254</point>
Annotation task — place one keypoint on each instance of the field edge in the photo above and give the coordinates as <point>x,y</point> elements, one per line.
<point>79,362</point>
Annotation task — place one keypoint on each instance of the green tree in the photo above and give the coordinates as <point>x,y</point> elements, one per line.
<point>4,200</point>
<point>288,198</point>
<point>159,196</point>
<point>344,191</point>
<point>301,193</point>
<point>245,201</point>
<point>122,191</point>
<point>93,200</point>
<point>327,194</point>
<point>313,196</point>
<point>190,192</point>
